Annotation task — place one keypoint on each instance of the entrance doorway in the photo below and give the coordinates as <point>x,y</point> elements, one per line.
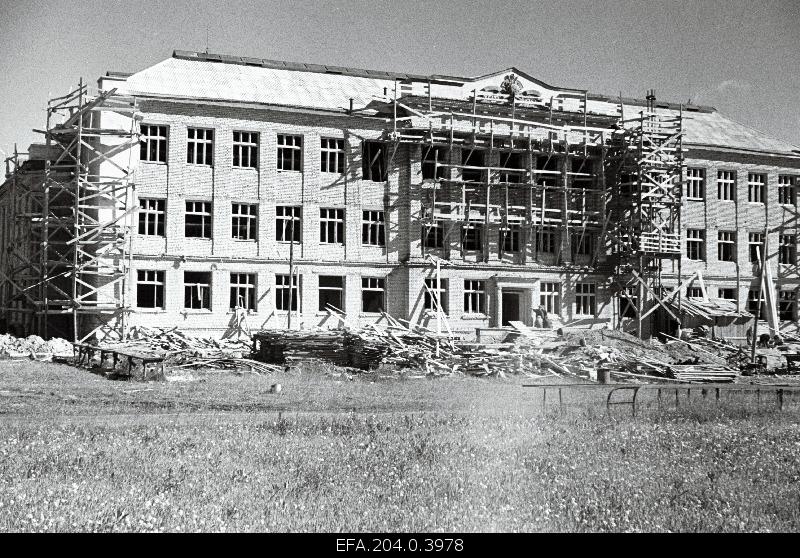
<point>510,307</point>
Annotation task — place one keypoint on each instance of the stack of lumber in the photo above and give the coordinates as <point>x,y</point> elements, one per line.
<point>287,346</point>
<point>701,373</point>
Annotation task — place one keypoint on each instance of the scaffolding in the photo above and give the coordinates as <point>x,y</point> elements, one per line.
<point>68,221</point>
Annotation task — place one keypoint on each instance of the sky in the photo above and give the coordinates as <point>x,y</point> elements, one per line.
<point>741,57</point>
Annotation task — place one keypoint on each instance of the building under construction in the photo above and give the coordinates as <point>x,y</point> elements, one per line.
<point>210,192</point>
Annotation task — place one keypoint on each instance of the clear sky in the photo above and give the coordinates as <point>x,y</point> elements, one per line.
<point>741,57</point>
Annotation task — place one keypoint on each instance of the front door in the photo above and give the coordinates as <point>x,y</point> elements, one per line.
<point>510,307</point>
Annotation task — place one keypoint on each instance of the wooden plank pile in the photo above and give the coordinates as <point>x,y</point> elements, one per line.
<point>288,346</point>
<point>704,373</point>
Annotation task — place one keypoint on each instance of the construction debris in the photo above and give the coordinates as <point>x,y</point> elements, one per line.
<point>33,347</point>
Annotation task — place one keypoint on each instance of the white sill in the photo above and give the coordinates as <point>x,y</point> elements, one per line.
<point>756,203</point>
<point>695,199</point>
<point>369,314</point>
<point>151,310</point>
<point>196,311</point>
<point>253,240</point>
<point>432,314</point>
<point>474,317</point>
<point>249,312</point>
<point>244,168</point>
<point>154,162</point>
<point>203,165</point>
<point>292,171</point>
<point>197,238</point>
<point>286,242</point>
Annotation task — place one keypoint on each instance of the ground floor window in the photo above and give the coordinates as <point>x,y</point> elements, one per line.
<point>243,291</point>
<point>787,300</point>
<point>373,294</point>
<point>149,288</point>
<point>197,290</point>
<point>440,293</point>
<point>287,293</point>
<point>550,297</point>
<point>585,299</point>
<point>474,296</point>
<point>331,292</point>
<point>628,302</point>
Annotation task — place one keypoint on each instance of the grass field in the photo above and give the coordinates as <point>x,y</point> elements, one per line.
<point>82,453</point>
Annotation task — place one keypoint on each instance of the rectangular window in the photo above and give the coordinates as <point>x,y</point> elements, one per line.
<point>332,155</point>
<point>755,242</point>
<point>441,295</point>
<point>288,223</point>
<point>373,164</point>
<point>149,288</point>
<point>198,219</point>
<point>433,235</point>
<point>787,190</point>
<point>471,238</point>
<point>582,244</point>
<point>628,304</point>
<point>331,292</point>
<point>726,246</point>
<point>550,297</point>
<point>373,229</point>
<point>694,292</point>
<point>510,238</point>
<point>286,297</point>
<point>243,291</point>
<point>474,296</point>
<point>153,143</point>
<point>244,221</point>
<point>581,168</point>
<point>372,294</point>
<point>290,153</point>
<point>585,299</point>
<point>473,162</point>
<point>432,159</point>
<point>512,160</point>
<point>695,241</point>
<point>727,293</point>
<point>695,184</point>
<point>152,216</point>
<point>331,226</point>
<point>787,300</point>
<point>726,185</point>
<point>546,241</point>
<point>756,188</point>
<point>245,150</point>
<point>787,249</point>
<point>752,304</point>
<point>200,146</point>
<point>197,290</point>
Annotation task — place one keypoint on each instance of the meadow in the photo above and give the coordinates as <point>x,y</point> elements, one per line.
<point>82,453</point>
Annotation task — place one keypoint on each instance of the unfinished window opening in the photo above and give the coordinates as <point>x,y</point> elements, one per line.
<point>585,299</point>
<point>149,288</point>
<point>287,293</point>
<point>627,184</point>
<point>433,235</point>
<point>582,244</point>
<point>726,246</point>
<point>243,291</point>
<point>244,221</point>
<point>432,160</point>
<point>245,150</point>
<point>512,160</point>
<point>695,244</point>
<point>628,304</point>
<point>787,303</point>
<point>331,225</point>
<point>474,161</point>
<point>152,216</point>
<point>755,243</point>
<point>726,293</point>
<point>726,185</point>
<point>153,143</point>
<point>752,304</point>
<point>550,297</point>
<point>200,146</point>
<point>331,292</point>
<point>510,239</point>
<point>548,172</point>
<point>546,241</point>
<point>787,249</point>
<point>583,170</point>
<point>290,153</point>
<point>787,190</point>
<point>198,219</point>
<point>288,223</point>
<point>374,161</point>
<point>332,155</point>
<point>471,237</point>
<point>756,188</point>
<point>695,184</point>
<point>474,296</point>
<point>373,228</point>
<point>372,294</point>
<point>197,290</point>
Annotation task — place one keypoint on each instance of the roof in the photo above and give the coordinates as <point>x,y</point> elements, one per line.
<point>218,77</point>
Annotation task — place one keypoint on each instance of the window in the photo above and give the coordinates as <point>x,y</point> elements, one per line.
<point>694,292</point>
<point>550,297</point>
<point>331,292</point>
<point>726,246</point>
<point>149,289</point>
<point>373,163</point>
<point>787,249</point>
<point>432,159</point>
<point>243,291</point>
<point>471,237</point>
<point>695,184</point>
<point>372,294</point>
<point>510,238</point>
<point>288,224</point>
<point>582,167</point>
<point>441,295</point>
<point>332,155</point>
<point>290,153</point>
<point>726,185</point>
<point>331,226</point>
<point>787,300</point>
<point>582,244</point>
<point>628,304</point>
<point>755,242</point>
<point>550,166</point>
<point>200,147</point>
<point>546,241</point>
<point>244,221</point>
<point>585,300</point>
<point>787,190</point>
<point>474,296</point>
<point>373,230</point>
<point>752,304</point>
<point>511,160</point>
<point>197,290</point>
<point>152,216</point>
<point>433,235</point>
<point>245,150</point>
<point>472,158</point>
<point>727,293</point>
<point>695,239</point>
<point>286,297</point>
<point>153,143</point>
<point>198,219</point>
<point>756,188</point>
